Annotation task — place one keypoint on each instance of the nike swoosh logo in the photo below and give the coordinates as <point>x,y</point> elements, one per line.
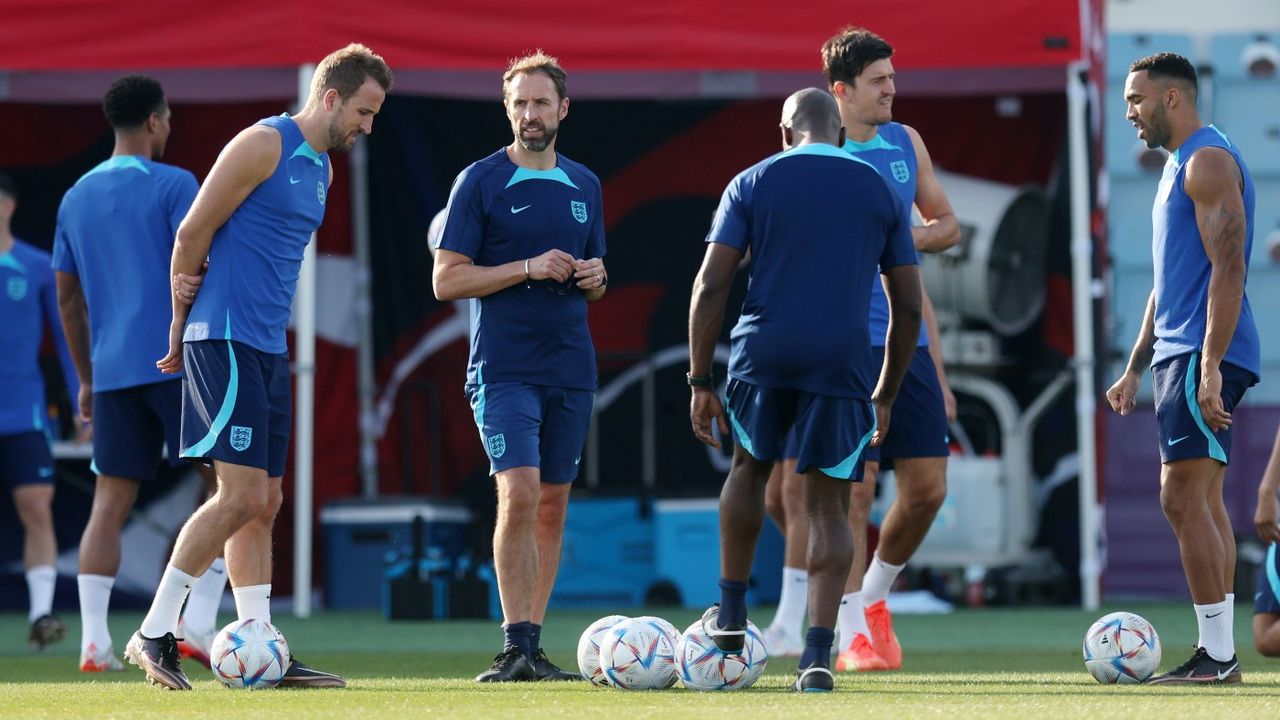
<point>1223,675</point>
<point>46,472</point>
<point>515,209</point>
<point>1175,441</point>
<point>294,181</point>
<point>1210,617</point>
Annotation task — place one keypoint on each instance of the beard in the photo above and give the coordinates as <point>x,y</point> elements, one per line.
<point>1157,131</point>
<point>337,139</point>
<point>536,144</point>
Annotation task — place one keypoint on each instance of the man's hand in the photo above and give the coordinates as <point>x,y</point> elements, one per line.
<point>186,287</point>
<point>1266,517</point>
<point>703,408</point>
<point>1124,392</point>
<point>556,265</point>
<point>172,363</point>
<point>883,411</point>
<point>1209,398</point>
<point>85,400</point>
<point>590,274</point>
<point>84,432</point>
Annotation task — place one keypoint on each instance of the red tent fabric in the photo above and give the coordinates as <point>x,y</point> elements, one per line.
<point>588,35</point>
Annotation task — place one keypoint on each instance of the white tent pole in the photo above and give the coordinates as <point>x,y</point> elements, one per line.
<point>366,389</point>
<point>304,308</point>
<point>1082,287</point>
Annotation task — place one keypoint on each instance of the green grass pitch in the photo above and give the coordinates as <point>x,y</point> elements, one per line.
<point>972,663</point>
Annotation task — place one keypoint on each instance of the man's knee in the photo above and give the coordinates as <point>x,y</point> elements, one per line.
<point>923,498</point>
<point>518,496</point>
<point>247,500</point>
<point>1265,638</point>
<point>33,504</point>
<point>774,506</point>
<point>553,504</point>
<point>274,500</point>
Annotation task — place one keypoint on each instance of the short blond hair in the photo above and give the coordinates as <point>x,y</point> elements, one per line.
<point>347,69</point>
<point>537,62</point>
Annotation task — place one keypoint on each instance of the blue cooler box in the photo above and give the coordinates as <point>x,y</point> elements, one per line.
<point>687,553</point>
<point>607,557</point>
<point>362,536</point>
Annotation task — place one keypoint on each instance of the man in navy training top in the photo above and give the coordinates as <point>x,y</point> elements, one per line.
<point>524,240</point>
<point>111,253</point>
<point>27,306</point>
<point>818,223</point>
<point>1200,340</point>
<point>860,76</point>
<point>252,219</point>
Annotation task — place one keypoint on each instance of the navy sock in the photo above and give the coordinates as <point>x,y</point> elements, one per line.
<point>519,635</point>
<point>733,603</point>
<point>535,638</point>
<point>817,648</point>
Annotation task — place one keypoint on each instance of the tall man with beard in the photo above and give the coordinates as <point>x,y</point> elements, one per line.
<point>860,76</point>
<point>524,241</point>
<point>1200,340</point>
<point>253,218</point>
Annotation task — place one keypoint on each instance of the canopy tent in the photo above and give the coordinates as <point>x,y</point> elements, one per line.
<point>66,50</point>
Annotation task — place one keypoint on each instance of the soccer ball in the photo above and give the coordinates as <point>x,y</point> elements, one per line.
<point>1121,648</point>
<point>589,648</point>
<point>249,654</point>
<point>703,666</point>
<point>639,654</point>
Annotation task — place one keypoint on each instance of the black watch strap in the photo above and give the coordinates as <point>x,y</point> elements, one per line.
<point>699,381</point>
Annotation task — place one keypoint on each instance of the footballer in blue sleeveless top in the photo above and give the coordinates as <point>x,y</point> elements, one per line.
<point>1199,338</point>
<point>919,411</point>
<point>252,219</point>
<point>237,407</point>
<point>524,241</point>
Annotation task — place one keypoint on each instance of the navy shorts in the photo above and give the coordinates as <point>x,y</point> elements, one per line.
<point>131,426</point>
<point>236,405</point>
<point>539,426</point>
<point>831,433</point>
<point>1267,599</point>
<point>25,459</point>
<point>1183,434</point>
<point>918,421</point>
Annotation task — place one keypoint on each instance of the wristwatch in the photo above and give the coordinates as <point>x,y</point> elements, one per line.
<point>699,381</point>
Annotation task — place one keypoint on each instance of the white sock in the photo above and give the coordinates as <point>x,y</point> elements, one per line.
<point>95,597</point>
<point>253,601</point>
<point>879,578</point>
<point>791,606</point>
<point>1216,635</point>
<point>201,615</point>
<point>1231,613</point>
<point>852,619</point>
<point>163,616</point>
<point>40,582</point>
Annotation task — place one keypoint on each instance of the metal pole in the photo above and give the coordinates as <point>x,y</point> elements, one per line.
<point>304,308</point>
<point>1082,286</point>
<point>366,387</point>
